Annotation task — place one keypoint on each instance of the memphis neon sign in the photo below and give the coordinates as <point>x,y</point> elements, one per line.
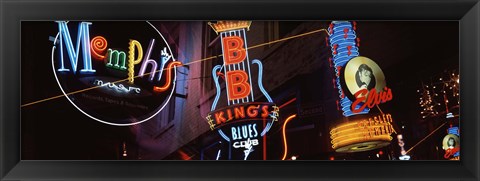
<point>127,64</point>
<point>116,59</point>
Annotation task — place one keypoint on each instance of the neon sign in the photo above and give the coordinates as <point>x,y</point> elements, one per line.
<point>344,47</point>
<point>371,98</point>
<point>451,143</point>
<point>83,37</point>
<point>360,81</point>
<point>242,114</point>
<point>401,143</point>
<point>365,84</point>
<point>133,45</point>
<point>363,134</point>
<point>362,86</point>
<point>115,68</point>
<point>244,136</point>
<point>285,146</point>
<point>115,58</point>
<point>244,131</point>
<point>119,87</point>
<point>98,46</point>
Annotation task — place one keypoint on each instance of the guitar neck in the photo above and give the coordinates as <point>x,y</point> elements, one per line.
<point>236,66</point>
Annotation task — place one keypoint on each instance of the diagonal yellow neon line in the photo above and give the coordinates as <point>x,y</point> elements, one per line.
<point>426,137</point>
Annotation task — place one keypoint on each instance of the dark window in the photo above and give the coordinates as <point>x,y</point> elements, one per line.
<point>171,110</point>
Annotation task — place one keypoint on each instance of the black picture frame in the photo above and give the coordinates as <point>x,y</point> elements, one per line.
<point>467,12</point>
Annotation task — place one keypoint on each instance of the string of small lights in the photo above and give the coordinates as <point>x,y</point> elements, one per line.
<point>440,94</point>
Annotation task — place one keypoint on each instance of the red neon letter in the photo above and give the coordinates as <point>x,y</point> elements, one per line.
<point>252,111</point>
<point>169,77</point>
<point>233,48</point>
<point>359,100</point>
<point>229,114</point>
<point>265,112</point>
<point>238,86</point>
<point>239,112</point>
<point>219,118</point>
<point>98,45</point>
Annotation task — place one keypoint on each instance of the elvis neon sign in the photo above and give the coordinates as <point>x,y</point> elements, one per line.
<point>115,67</point>
<point>360,81</point>
<point>451,143</point>
<point>365,84</point>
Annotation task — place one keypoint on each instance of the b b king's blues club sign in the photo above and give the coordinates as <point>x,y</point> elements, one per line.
<point>244,122</point>
<point>118,73</point>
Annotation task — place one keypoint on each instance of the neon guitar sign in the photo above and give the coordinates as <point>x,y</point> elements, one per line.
<point>240,96</point>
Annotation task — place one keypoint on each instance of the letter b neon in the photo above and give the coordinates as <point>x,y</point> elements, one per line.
<point>238,87</point>
<point>233,48</point>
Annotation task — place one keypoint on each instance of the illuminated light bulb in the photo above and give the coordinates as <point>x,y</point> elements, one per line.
<point>440,78</point>
<point>124,149</point>
<point>294,158</point>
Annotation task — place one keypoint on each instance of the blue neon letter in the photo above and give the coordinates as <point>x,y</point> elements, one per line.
<point>83,37</point>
